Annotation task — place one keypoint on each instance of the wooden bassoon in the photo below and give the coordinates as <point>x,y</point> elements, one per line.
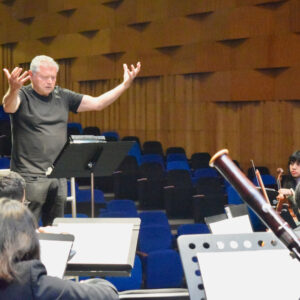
<point>249,193</point>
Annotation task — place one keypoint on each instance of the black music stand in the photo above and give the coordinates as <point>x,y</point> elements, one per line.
<point>89,156</point>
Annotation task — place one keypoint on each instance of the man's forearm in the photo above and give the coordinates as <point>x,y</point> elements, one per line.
<point>11,101</point>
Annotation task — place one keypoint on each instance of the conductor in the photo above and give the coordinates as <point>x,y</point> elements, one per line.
<point>39,116</point>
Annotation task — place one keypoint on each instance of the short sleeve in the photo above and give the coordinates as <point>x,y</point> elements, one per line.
<point>72,98</point>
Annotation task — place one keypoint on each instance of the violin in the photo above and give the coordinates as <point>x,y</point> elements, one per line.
<point>282,199</point>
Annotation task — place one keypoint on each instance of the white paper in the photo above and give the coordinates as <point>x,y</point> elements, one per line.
<point>249,275</point>
<point>102,243</point>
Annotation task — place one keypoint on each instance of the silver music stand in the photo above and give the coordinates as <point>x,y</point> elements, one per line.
<point>222,254</point>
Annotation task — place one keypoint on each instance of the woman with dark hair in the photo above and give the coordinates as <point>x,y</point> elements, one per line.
<point>290,182</point>
<point>22,274</point>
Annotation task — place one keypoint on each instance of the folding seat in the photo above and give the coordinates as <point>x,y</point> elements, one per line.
<point>209,199</point>
<point>85,195</point>
<point>200,160</point>
<point>210,185</point>
<point>163,269</point>
<point>4,163</point>
<point>178,194</point>
<point>117,214</point>
<point>154,237</point>
<point>195,228</point>
<point>125,179</point>
<point>170,150</point>
<point>133,282</point>
<point>154,217</point>
<point>145,158</point>
<point>123,207</point>
<point>269,181</point>
<point>262,170</point>
<point>176,157</point>
<point>111,135</point>
<point>153,147</point>
<point>91,130</point>
<point>232,196</point>
<point>178,165</point>
<point>150,185</point>
<point>132,138</point>
<point>74,128</point>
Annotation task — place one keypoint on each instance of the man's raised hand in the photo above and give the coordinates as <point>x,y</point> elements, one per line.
<point>16,78</point>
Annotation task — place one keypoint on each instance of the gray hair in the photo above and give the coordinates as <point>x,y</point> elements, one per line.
<point>38,60</point>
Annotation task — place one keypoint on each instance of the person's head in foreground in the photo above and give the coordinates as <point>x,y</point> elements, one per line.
<point>18,239</point>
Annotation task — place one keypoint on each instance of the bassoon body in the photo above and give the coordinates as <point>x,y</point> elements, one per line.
<point>249,193</point>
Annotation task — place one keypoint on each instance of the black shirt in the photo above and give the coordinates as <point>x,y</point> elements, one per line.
<point>39,128</point>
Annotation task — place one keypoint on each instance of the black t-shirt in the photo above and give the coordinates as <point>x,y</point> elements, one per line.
<point>39,128</point>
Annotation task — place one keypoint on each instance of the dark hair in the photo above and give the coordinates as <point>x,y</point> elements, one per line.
<point>18,238</point>
<point>12,186</point>
<point>295,157</point>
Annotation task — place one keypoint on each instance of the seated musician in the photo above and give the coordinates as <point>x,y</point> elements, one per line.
<point>291,181</point>
<point>22,274</point>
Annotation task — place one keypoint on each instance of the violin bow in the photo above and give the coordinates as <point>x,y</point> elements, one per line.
<point>260,182</point>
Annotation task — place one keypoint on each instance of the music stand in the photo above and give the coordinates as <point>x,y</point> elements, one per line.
<point>89,156</point>
<point>211,260</point>
<point>103,246</point>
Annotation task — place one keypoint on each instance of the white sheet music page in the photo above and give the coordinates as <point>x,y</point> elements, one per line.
<point>54,255</point>
<point>99,243</point>
<point>248,275</point>
<point>239,224</point>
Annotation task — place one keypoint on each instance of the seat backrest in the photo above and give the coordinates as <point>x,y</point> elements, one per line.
<point>133,282</point>
<point>179,178</point>
<point>129,165</point>
<point>200,160</point>
<point>132,138</point>
<point>209,185</point>
<point>196,228</point>
<point>175,150</point>
<point>177,165</point>
<point>152,158</point>
<point>154,217</point>
<point>111,135</point>
<point>121,205</point>
<point>153,147</point>
<point>152,171</point>
<point>74,128</point>
<point>163,270</point>
<point>232,196</point>
<point>262,170</point>
<point>205,172</point>
<point>176,157</point>
<point>154,237</point>
<point>91,130</point>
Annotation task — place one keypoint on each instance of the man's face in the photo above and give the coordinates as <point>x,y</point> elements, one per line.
<point>43,81</point>
<point>295,169</point>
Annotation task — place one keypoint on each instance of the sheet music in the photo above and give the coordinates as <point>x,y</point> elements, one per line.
<point>99,243</point>
<point>248,275</point>
<point>54,256</point>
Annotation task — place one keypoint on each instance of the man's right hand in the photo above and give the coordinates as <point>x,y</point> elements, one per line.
<point>16,78</point>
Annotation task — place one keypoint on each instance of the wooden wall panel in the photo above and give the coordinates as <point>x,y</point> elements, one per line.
<point>215,74</point>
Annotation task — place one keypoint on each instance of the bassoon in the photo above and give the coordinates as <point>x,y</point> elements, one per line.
<point>249,193</point>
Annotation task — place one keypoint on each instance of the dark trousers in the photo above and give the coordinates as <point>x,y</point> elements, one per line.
<point>46,197</point>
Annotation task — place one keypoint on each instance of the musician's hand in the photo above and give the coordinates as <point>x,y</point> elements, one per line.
<point>285,192</point>
<point>16,78</point>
